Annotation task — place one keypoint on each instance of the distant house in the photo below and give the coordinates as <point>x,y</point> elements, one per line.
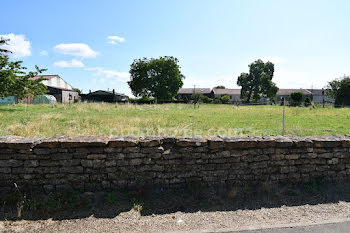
<point>318,95</point>
<point>59,88</point>
<point>105,96</point>
<point>186,93</point>
<point>235,94</point>
<point>285,94</point>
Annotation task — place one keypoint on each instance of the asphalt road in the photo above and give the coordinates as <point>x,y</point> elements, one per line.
<point>343,227</point>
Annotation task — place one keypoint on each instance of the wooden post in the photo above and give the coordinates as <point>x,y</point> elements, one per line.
<point>323,97</point>
<point>194,95</point>
<point>284,115</point>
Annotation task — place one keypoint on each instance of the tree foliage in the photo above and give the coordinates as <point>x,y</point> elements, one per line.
<point>220,87</point>
<point>14,81</point>
<point>307,102</point>
<point>296,99</point>
<point>225,99</point>
<point>258,82</point>
<point>339,90</point>
<point>160,78</point>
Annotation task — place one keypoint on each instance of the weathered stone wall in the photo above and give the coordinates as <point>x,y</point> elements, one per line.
<point>97,163</point>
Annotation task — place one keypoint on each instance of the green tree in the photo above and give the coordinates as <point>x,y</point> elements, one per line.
<point>77,90</point>
<point>258,82</point>
<point>160,78</point>
<point>339,90</point>
<point>220,87</point>
<point>295,99</point>
<point>14,81</point>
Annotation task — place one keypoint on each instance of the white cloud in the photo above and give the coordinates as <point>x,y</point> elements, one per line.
<point>115,39</point>
<point>72,63</point>
<point>44,53</point>
<point>17,44</point>
<point>76,49</point>
<point>110,74</point>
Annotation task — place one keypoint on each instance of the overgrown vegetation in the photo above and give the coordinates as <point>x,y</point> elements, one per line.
<point>169,119</point>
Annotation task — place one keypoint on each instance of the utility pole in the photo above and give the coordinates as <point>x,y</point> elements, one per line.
<point>284,115</point>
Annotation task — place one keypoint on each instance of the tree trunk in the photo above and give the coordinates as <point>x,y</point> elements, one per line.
<point>249,96</point>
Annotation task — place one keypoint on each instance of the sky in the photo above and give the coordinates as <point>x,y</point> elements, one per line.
<point>91,43</point>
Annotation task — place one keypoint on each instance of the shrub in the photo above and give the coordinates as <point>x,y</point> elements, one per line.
<point>146,100</point>
<point>307,102</point>
<point>225,98</point>
<point>206,99</point>
<point>216,101</point>
<point>296,99</point>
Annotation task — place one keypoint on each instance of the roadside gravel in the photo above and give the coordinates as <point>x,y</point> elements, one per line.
<point>132,221</point>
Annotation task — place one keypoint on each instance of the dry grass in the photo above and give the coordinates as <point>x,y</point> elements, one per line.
<point>169,119</point>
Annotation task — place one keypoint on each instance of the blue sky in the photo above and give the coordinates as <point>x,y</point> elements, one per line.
<point>309,41</point>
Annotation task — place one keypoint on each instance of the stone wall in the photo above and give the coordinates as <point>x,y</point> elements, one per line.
<point>104,162</point>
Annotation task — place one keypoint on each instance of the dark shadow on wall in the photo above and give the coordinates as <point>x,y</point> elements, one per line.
<point>193,198</point>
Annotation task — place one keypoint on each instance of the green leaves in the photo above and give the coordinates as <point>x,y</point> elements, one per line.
<point>160,78</point>
<point>339,89</point>
<point>14,81</point>
<point>258,82</point>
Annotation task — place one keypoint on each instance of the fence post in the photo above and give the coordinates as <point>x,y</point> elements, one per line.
<point>284,115</point>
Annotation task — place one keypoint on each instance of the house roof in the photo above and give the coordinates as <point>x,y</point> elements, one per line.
<point>108,92</point>
<point>317,91</point>
<point>45,76</point>
<point>290,91</point>
<point>196,90</point>
<point>226,91</point>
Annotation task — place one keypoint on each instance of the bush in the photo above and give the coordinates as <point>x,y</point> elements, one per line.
<point>296,99</point>
<point>206,99</point>
<point>307,102</point>
<point>225,98</point>
<point>146,100</point>
<point>216,101</point>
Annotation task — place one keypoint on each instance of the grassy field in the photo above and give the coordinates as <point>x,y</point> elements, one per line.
<point>169,119</point>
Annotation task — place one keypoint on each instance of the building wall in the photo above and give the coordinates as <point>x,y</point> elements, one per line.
<point>57,82</point>
<point>65,97</point>
<point>102,163</point>
<point>319,99</point>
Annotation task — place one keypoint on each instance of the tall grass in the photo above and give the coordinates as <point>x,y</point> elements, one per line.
<point>169,119</point>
